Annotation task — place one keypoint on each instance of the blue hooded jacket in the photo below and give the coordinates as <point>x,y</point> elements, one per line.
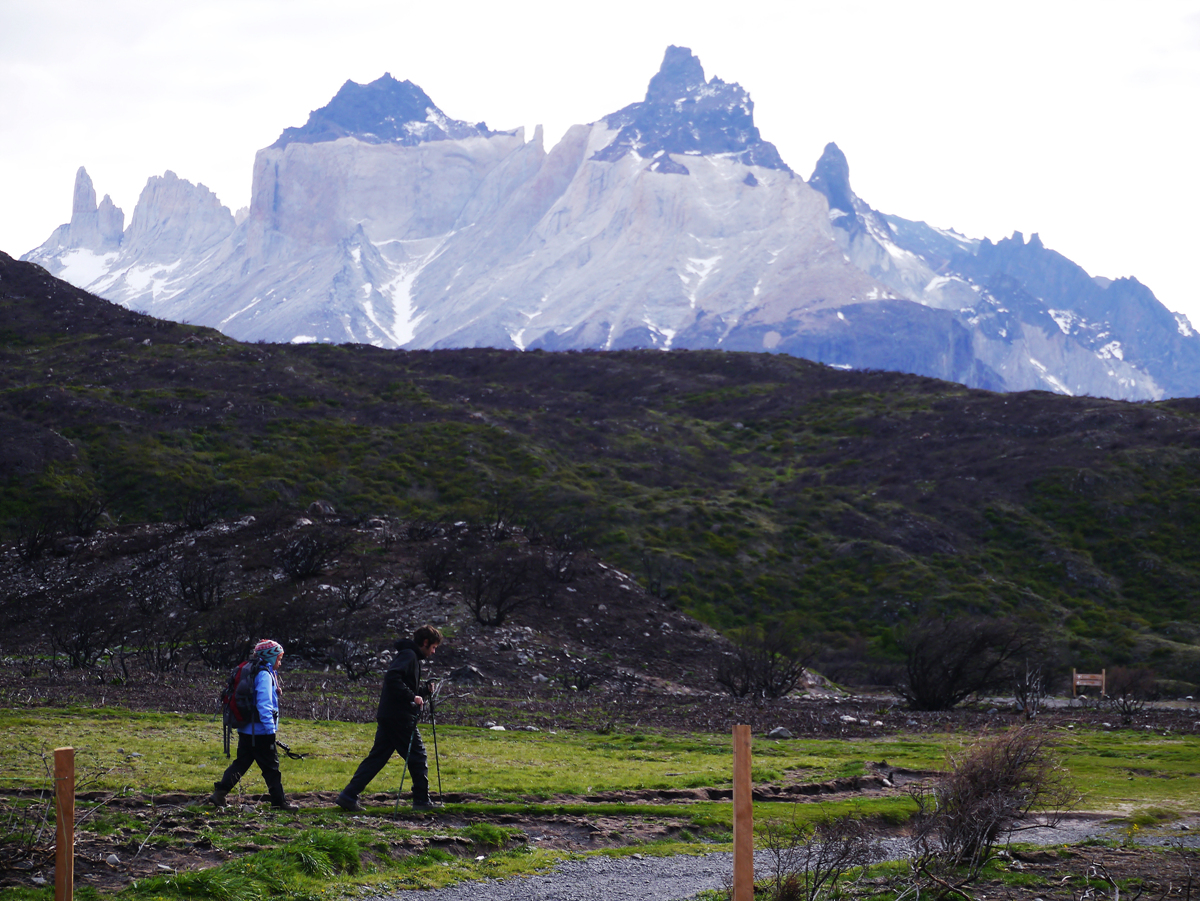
<point>266,698</point>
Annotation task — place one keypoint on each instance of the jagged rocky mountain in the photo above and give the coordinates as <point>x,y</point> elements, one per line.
<point>670,223</point>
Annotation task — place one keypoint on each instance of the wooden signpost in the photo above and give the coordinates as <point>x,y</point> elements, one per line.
<point>64,819</point>
<point>1089,680</point>
<point>743,817</point>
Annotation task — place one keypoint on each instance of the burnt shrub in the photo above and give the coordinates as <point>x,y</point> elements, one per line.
<point>309,553</point>
<point>948,660</point>
<point>83,626</point>
<point>437,564</point>
<point>36,534</point>
<point>495,584</point>
<point>202,507</point>
<point>1128,689</point>
<point>83,514</point>
<point>765,662</point>
<point>808,861</point>
<point>199,583</point>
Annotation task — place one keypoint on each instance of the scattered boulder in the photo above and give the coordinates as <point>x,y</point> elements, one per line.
<point>779,732</point>
<point>467,674</point>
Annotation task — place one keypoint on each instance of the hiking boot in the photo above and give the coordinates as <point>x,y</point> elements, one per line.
<point>217,798</point>
<point>285,804</point>
<point>426,805</point>
<point>348,804</point>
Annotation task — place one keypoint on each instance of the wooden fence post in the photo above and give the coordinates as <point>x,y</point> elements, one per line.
<point>743,817</point>
<point>64,819</point>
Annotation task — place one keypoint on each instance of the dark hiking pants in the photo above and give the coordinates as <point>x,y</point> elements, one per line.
<point>258,749</point>
<point>393,737</point>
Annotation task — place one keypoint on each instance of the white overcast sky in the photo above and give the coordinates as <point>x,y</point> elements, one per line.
<point>1076,120</point>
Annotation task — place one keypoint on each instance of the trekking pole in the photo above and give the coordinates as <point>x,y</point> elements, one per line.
<point>288,751</point>
<point>433,721</point>
<point>411,736</point>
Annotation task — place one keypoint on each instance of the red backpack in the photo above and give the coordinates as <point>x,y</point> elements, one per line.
<point>238,705</point>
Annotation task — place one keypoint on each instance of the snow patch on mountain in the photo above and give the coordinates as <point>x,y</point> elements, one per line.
<point>84,267</point>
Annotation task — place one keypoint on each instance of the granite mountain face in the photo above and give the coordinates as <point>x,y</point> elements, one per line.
<point>670,223</point>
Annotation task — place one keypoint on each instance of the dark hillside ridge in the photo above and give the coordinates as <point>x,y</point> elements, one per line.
<point>741,487</point>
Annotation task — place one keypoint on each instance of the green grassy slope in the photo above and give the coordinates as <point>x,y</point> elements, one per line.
<point>747,486</point>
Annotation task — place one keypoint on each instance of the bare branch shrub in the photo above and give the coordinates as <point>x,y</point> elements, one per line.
<point>766,661</point>
<point>36,534</point>
<point>662,573</point>
<point>164,628</point>
<point>351,650</point>
<point>989,791</point>
<point>199,584</point>
<point>502,507</point>
<point>223,635</point>
<point>27,829</point>
<point>308,554</point>
<point>809,861</point>
<point>84,513</point>
<point>201,508</point>
<point>437,564</point>
<point>82,626</point>
<point>494,585</point>
<point>948,660</point>
<point>1030,688</point>
<point>360,591</point>
<point>1127,689</point>
<point>421,530</point>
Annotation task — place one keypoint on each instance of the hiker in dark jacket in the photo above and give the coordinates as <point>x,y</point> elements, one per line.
<point>256,739</point>
<point>400,705</point>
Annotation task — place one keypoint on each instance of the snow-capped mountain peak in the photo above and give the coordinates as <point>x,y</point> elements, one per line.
<point>668,224</point>
<point>685,115</point>
<point>383,111</point>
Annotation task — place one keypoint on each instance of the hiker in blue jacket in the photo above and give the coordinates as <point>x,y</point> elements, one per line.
<point>400,705</point>
<point>256,739</point>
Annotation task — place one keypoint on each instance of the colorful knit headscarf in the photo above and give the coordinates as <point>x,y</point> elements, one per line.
<point>266,651</point>
<point>266,656</point>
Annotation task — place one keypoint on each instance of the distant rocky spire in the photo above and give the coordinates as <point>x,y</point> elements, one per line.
<point>83,200</point>
<point>680,74</point>
<point>96,229</point>
<point>832,178</point>
<point>684,114</point>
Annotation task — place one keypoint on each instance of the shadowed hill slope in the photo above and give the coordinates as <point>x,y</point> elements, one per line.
<point>741,486</point>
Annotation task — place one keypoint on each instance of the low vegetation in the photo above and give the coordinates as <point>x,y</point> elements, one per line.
<point>517,801</point>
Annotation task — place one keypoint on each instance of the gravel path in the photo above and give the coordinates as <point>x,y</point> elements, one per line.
<point>603,878</point>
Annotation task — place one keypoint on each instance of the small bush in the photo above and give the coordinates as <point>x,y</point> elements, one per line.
<point>990,788</point>
<point>948,660</point>
<point>808,862</point>
<point>766,662</point>
<point>1127,689</point>
<point>308,554</point>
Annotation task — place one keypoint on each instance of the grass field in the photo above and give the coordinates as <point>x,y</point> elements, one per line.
<point>318,852</point>
<point>162,752</point>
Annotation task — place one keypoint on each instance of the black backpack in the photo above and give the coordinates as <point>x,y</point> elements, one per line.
<point>238,704</point>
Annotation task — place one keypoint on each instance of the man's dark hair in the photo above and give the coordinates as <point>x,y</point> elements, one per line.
<point>427,634</point>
